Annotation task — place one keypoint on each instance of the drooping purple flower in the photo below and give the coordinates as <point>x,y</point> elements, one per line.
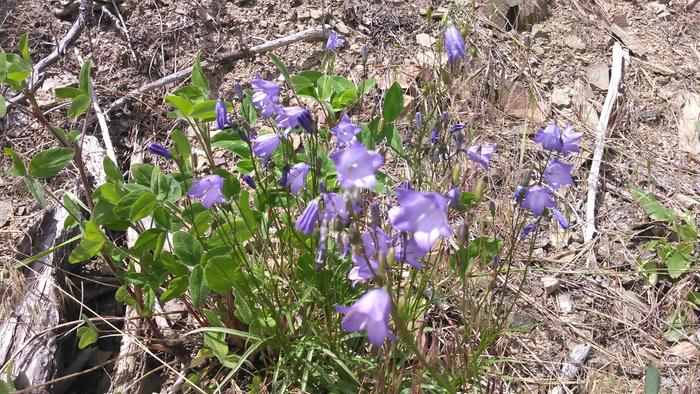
<point>264,145</point>
<point>334,41</point>
<point>285,175</point>
<point>363,270</point>
<point>208,190</point>
<point>454,43</point>
<point>537,198</point>
<point>266,96</point>
<point>238,90</point>
<point>419,120</point>
<point>370,314</point>
<point>481,154</point>
<point>558,174</point>
<point>423,214</point>
<point>159,150</point>
<point>308,219</point>
<point>518,195</point>
<point>292,117</point>
<point>435,136</point>
<point>457,127</point>
<point>306,122</point>
<point>455,196</point>
<point>527,230</point>
<point>409,252</point>
<point>375,243</point>
<point>249,180</point>
<point>335,206</point>
<point>405,185</point>
<point>459,141</point>
<point>345,131</point>
<point>356,167</point>
<point>243,135</point>
<point>221,115</point>
<point>560,218</point>
<point>296,179</point>
<point>553,139</point>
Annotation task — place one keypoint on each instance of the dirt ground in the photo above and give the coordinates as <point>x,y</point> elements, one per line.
<point>603,300</point>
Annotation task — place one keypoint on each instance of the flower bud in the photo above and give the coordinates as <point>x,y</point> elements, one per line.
<point>159,150</point>
<point>249,180</point>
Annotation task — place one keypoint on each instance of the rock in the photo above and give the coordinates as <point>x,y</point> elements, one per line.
<point>539,31</point>
<point>342,28</point>
<point>598,76</point>
<point>689,108</point>
<point>685,351</point>
<point>565,304</point>
<point>620,19</point>
<point>315,14</point>
<point>517,102</point>
<point>5,211</point>
<point>522,13</point>
<point>425,40</point>
<point>550,284</point>
<point>561,97</point>
<point>575,43</point>
<point>687,202</point>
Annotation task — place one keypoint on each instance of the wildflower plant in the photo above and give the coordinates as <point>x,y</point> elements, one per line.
<point>317,270</point>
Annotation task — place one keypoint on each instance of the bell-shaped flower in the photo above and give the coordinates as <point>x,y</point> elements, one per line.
<point>208,190</point>
<point>560,218</point>
<point>407,251</point>
<point>264,145</point>
<point>334,41</point>
<point>345,131</point>
<point>296,177</point>
<point>308,219</point>
<point>159,150</point>
<point>423,214</point>
<point>370,314</point>
<point>527,230</point>
<point>292,117</point>
<point>335,206</point>
<point>266,96</point>
<point>250,181</point>
<point>481,154</point>
<point>356,167</point>
<point>537,198</point>
<point>454,43</point>
<point>363,270</point>
<point>554,140</point>
<point>558,174</point>
<point>221,115</point>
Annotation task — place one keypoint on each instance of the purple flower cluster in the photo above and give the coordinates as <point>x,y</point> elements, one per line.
<point>539,198</point>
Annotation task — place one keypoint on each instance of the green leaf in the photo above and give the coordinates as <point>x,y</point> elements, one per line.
<point>123,207</point>
<point>652,208</point>
<point>187,248</point>
<point>18,168</point>
<point>280,65</point>
<point>85,250</point>
<point>198,78</point>
<point>36,189</point>
<point>652,380</point>
<point>393,138</point>
<point>3,106</point>
<point>244,206</point>
<point>112,171</point>
<point>182,144</point>
<point>176,288</point>
<point>206,110</point>
<point>677,264</point>
<point>24,47</point>
<point>393,103</point>
<point>84,77</point>
<point>346,97</point>
<point>324,85</point>
<point>181,103</point>
<point>50,162</point>
<point>366,86</point>
<point>220,273</point>
<point>87,335</point>
<point>143,206</point>
<point>141,173</point>
<point>79,105</point>
<point>198,286</point>
<point>148,240</point>
<point>67,92</point>
<point>238,148</point>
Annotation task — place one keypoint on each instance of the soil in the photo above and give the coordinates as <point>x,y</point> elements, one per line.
<point>603,300</point>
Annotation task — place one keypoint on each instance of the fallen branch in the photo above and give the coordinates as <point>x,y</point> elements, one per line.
<point>68,39</point>
<point>314,34</point>
<point>610,99</point>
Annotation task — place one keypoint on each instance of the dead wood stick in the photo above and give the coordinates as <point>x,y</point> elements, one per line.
<point>313,34</point>
<point>601,129</point>
<point>68,39</point>
<point>691,4</point>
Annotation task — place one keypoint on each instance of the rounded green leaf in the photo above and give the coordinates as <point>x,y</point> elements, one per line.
<point>393,103</point>
<point>50,162</point>
<point>143,206</point>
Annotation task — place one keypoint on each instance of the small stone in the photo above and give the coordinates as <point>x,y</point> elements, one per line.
<point>620,19</point>
<point>342,28</point>
<point>519,103</point>
<point>304,15</point>
<point>539,31</point>
<point>565,304</point>
<point>316,14</point>
<point>599,76</point>
<point>561,97</point>
<point>5,211</point>
<point>550,284</point>
<point>685,351</point>
<point>425,40</point>
<point>575,43</point>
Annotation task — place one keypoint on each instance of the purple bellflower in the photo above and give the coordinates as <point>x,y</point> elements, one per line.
<point>221,115</point>
<point>308,219</point>
<point>296,178</point>
<point>363,270</point>
<point>455,196</point>
<point>560,218</point>
<point>481,154</point>
<point>293,117</point>
<point>527,230</point>
<point>370,314</point>
<point>249,180</point>
<point>334,41</point>
<point>208,190</point>
<point>159,150</point>
<point>558,174</point>
<point>356,167</point>
<point>435,136</point>
<point>345,131</point>
<point>375,243</point>
<point>454,43</point>
<point>239,91</point>
<point>457,127</point>
<point>537,198</point>
<point>285,175</point>
<point>419,120</point>
<point>336,206</point>
<point>553,139</point>
<point>264,145</point>
<point>423,214</point>
<point>266,96</point>
<point>408,252</point>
